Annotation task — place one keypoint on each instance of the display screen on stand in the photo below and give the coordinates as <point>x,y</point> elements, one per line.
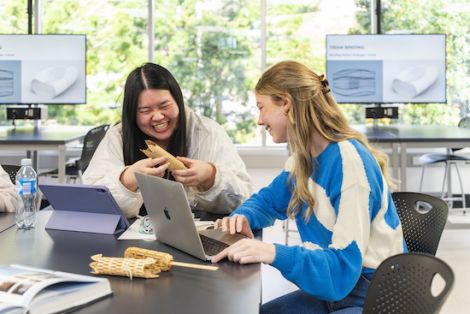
<point>42,69</point>
<point>381,69</point>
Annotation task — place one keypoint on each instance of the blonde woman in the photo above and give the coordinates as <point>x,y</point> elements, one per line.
<point>8,196</point>
<point>335,186</point>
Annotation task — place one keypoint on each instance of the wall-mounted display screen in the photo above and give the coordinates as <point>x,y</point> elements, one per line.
<point>387,68</point>
<point>42,69</point>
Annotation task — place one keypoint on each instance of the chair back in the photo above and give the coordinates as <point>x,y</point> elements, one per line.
<point>12,170</point>
<point>90,143</point>
<point>404,283</point>
<point>423,218</point>
<point>464,123</point>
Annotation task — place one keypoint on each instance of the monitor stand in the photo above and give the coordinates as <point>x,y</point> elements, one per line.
<point>29,112</point>
<point>377,111</point>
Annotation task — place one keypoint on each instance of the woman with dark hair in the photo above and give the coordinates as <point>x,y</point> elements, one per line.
<point>154,109</point>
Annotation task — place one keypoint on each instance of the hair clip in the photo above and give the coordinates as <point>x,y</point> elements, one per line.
<point>323,80</point>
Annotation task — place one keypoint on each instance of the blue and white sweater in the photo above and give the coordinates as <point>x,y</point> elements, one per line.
<point>353,228</point>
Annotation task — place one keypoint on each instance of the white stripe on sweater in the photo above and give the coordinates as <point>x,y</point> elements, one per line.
<point>385,241</point>
<point>353,222</point>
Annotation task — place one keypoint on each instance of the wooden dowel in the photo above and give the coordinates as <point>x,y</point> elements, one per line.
<point>190,265</point>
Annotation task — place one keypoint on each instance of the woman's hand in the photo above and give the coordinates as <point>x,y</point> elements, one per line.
<point>248,251</point>
<point>235,224</point>
<point>151,166</point>
<point>200,174</point>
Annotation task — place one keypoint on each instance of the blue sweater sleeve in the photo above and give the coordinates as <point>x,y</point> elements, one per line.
<point>317,271</point>
<point>314,271</point>
<point>329,270</point>
<point>269,204</point>
<point>352,228</point>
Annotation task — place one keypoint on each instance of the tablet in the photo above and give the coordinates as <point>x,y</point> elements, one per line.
<point>91,206</point>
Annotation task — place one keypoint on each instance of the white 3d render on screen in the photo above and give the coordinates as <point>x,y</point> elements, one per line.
<point>382,68</point>
<point>42,69</point>
<point>414,80</point>
<point>53,81</point>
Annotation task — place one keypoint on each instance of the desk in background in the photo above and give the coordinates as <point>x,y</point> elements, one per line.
<point>44,138</point>
<point>401,137</point>
<point>233,288</point>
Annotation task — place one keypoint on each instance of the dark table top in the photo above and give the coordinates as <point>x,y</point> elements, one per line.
<point>232,288</point>
<point>414,133</point>
<point>49,135</point>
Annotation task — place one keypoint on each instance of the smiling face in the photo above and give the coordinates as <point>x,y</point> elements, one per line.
<point>157,115</point>
<point>273,116</point>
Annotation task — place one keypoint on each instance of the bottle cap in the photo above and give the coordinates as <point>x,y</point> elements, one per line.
<point>26,162</point>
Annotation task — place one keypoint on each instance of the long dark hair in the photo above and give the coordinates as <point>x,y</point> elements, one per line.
<point>149,76</point>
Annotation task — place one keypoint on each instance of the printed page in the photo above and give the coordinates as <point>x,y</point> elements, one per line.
<point>20,284</point>
<point>10,309</point>
<point>134,233</point>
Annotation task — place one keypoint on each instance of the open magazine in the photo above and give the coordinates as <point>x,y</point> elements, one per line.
<point>34,290</point>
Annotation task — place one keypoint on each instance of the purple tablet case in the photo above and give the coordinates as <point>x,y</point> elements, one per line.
<point>84,208</point>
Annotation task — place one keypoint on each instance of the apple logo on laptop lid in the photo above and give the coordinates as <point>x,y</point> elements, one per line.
<point>167,213</point>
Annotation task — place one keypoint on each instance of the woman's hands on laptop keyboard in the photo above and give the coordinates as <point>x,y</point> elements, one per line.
<point>247,250</point>
<point>234,224</point>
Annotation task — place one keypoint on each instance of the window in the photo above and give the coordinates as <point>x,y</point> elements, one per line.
<point>13,20</point>
<point>296,31</point>
<point>214,49</point>
<point>436,16</point>
<point>116,43</point>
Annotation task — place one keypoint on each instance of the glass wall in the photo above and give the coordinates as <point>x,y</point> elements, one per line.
<point>13,20</point>
<point>116,43</point>
<point>216,50</point>
<point>212,48</point>
<point>297,30</point>
<point>436,17</point>
<point>14,17</point>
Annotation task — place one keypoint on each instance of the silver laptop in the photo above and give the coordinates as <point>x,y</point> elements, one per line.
<point>170,214</point>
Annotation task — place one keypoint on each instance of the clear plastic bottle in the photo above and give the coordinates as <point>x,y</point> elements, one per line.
<point>26,186</point>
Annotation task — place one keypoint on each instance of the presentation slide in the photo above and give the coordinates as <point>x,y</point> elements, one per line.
<point>387,68</point>
<point>43,69</point>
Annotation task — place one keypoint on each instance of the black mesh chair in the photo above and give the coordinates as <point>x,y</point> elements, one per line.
<point>423,218</point>
<point>404,283</point>
<point>75,169</point>
<point>11,170</point>
<point>90,143</point>
<point>450,159</point>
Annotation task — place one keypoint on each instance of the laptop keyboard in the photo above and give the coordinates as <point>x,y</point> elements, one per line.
<point>212,246</point>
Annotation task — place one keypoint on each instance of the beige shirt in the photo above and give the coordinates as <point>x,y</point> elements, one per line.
<point>8,196</point>
<point>208,141</point>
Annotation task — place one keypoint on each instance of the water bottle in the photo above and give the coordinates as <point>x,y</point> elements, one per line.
<point>26,186</point>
